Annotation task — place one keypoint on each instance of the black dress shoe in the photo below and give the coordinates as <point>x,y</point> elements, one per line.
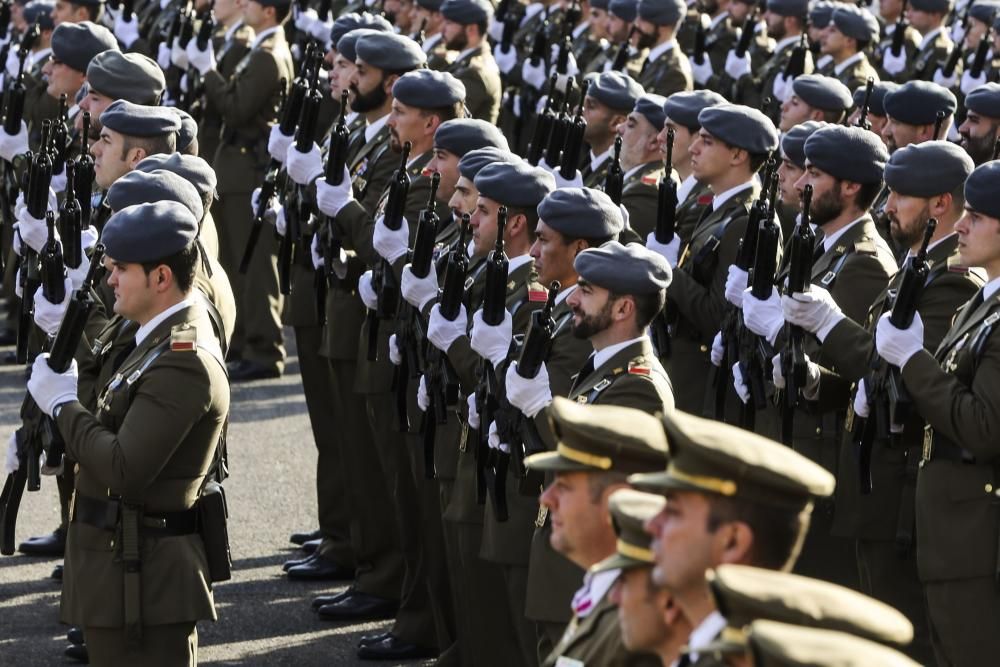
<point>53,544</point>
<point>392,647</point>
<point>75,636</point>
<point>320,568</point>
<point>359,607</point>
<point>246,371</point>
<point>57,572</point>
<point>77,652</point>
<point>323,600</point>
<point>312,545</point>
<point>302,538</point>
<point>295,562</point>
<point>372,638</point>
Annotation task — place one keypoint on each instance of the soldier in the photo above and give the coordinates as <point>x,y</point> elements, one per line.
<point>610,98</point>
<point>876,105</point>
<point>665,70</point>
<point>790,170</point>
<point>428,16</point>
<point>463,31</point>
<point>774,644</point>
<point>67,11</point>
<point>845,40</point>
<point>129,472</point>
<point>597,448</point>
<point>890,16</point>
<point>130,133</point>
<point>114,75</point>
<point>981,127</point>
<point>913,110</point>
<point>464,198</point>
<point>820,15</point>
<point>590,34</point>
<point>246,103</point>
<point>642,162</point>
<point>928,18</point>
<point>732,497</point>
<point>815,97</point>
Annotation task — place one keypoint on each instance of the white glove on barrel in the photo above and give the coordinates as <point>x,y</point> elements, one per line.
<point>203,61</point>
<point>764,318</point>
<point>506,59</point>
<point>12,145</point>
<point>49,388</point>
<point>32,231</point>
<point>366,291</point>
<point>861,407</point>
<point>48,316</point>
<point>388,243</point>
<point>534,75</point>
<point>529,395</point>
<point>442,332</point>
<point>717,350</point>
<point>317,258</point>
<point>737,67</point>
<point>178,55</point>
<point>812,375</point>
<point>127,30</point>
<point>331,198</point>
<point>896,346</point>
<point>781,87</point>
<point>891,63</point>
<point>702,72</point>
<point>669,251</point>
<point>278,143</point>
<point>395,355</point>
<point>303,167</point>
<point>944,81</point>
<point>739,384</point>
<point>815,311</point>
<point>419,292</point>
<point>736,282</point>
<point>493,439</point>
<point>491,342</point>
<point>970,83</point>
<point>473,419</point>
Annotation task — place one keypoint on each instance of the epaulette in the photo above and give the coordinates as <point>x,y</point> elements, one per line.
<point>537,292</point>
<point>638,366</point>
<point>651,179</point>
<point>705,200</point>
<point>865,246</point>
<point>183,338</point>
<point>955,265</point>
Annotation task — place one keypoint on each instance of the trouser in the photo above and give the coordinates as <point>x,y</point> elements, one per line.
<point>525,639</point>
<point>169,645</point>
<point>458,653</point>
<point>826,556</point>
<point>258,335</point>
<point>549,634</point>
<point>65,482</point>
<point>964,617</point>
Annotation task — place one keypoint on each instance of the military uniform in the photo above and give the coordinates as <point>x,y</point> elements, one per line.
<point>231,45</point>
<point>668,73</point>
<point>754,89</point>
<point>640,196</point>
<point>932,52</point>
<point>477,70</point>
<point>853,73</point>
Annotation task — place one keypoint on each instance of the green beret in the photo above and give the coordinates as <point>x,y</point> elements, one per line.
<point>458,136</point>
<point>581,213</point>
<point>932,6</point>
<point>796,8</point>
<point>188,131</point>
<point>782,645</point>
<point>847,153</point>
<point>428,88</point>
<point>191,168</point>
<point>709,456</point>
<point>615,90</point>
<point>626,10</point>
<point>651,107</point>
<point>137,120</point>
<point>473,161</point>
<point>126,76</point>
<point>514,184</point>
<point>389,52</point>
<point>683,107</point>
<point>75,44</point>
<point>740,126</point>
<point>661,12</point>
<point>793,142</point>
<point>624,269</point>
<point>928,169</point>
<point>466,12</point>
<point>823,92</point>
<point>820,13</point>
<point>876,103</point>
<point>149,232</point>
<point>918,103</point>
<point>598,438</point>
<point>984,100</point>
<point>139,187</point>
<point>855,22</point>
<point>630,510</point>
<point>40,12</point>
<point>354,21</point>
<point>981,189</point>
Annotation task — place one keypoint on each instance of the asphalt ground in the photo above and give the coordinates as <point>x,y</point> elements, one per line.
<point>264,619</point>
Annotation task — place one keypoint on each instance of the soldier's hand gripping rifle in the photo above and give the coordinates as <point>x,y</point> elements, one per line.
<point>190,99</point>
<point>615,177</point>
<point>570,159</point>
<point>888,401</point>
<point>796,65</point>
<point>336,160</point>
<point>747,33</point>
<point>863,121</point>
<point>621,57</point>
<point>85,174</point>
<point>793,356</point>
<point>559,131</point>
<point>899,34</point>
<point>666,226</point>
<point>39,177</point>
<point>543,125</point>
<point>30,447</point>
<point>979,60</point>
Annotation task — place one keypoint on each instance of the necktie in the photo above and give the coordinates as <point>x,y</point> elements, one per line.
<point>588,368</point>
<point>685,661</point>
<point>975,302</point>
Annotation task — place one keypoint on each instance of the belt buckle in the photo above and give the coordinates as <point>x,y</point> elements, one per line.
<point>927,449</point>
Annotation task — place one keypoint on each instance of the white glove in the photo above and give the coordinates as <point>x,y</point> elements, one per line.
<point>861,407</point>
<point>270,212</point>
<point>395,354</point>
<point>442,332</point>
<point>32,231</point>
<point>366,291</point>
<point>970,83</point>
<point>814,310</point>
<point>331,198</point>
<point>493,439</point>
<point>737,67</point>
<point>339,264</point>
<point>891,63</point>
<point>419,291</point>
<point>739,384</point>
<point>534,75</point>
<point>10,461</point>
<point>718,351</point>
<point>304,20</point>
<point>280,223</point>
<point>945,81</point>
<point>58,182</point>
<point>127,30</point>
<point>812,375</point>
<point>764,318</point>
<point>896,346</point>
<point>317,258</point>
<point>391,244</point>
<point>736,284</point>
<point>491,342</point>
<point>304,167</point>
<point>49,388</point>
<point>79,274</point>
<point>278,144</point>
<point>178,55</point>
<point>781,87</point>
<point>703,72</point>
<point>506,60</point>
<point>18,291</point>
<point>320,31</point>
<point>203,61</point>
<point>575,182</point>
<point>423,398</point>
<point>163,55</point>
<point>957,33</point>
<point>12,65</point>
<point>529,395</point>
<point>669,251</point>
<point>473,419</point>
<point>88,238</point>
<point>495,30</point>
<point>48,316</point>
<point>12,145</point>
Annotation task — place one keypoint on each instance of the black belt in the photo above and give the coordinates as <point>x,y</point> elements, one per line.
<point>104,514</point>
<point>938,448</point>
<point>234,138</point>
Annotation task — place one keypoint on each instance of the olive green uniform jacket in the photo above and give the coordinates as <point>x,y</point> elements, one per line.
<point>640,197</point>
<point>478,72</point>
<point>670,73</point>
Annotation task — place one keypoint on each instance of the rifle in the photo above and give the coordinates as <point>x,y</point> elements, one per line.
<point>747,33</point>
<point>621,57</point>
<point>36,199</point>
<point>421,32</point>
<point>939,123</point>
<point>16,90</point>
<point>60,136</point>
<point>574,139</point>
<point>510,25</point>
<point>336,160</point>
<point>543,125</point>
<point>900,33</point>
<point>979,60</point>
<point>85,174</point>
<point>796,65</point>
<point>666,224</point>
<point>559,131</point>
<point>529,96</point>
<point>60,357</point>
<point>5,10</point>
<point>948,69</point>
<point>613,181</point>
<point>70,220</point>
<point>863,121</point>
<point>793,357</point>
<point>700,39</point>
<point>888,401</point>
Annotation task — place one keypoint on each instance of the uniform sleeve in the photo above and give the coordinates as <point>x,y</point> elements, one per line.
<point>242,98</point>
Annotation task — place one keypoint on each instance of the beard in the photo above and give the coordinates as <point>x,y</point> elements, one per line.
<point>827,206</point>
<point>980,149</point>
<point>907,237</point>
<point>646,40</point>
<point>459,42</point>
<point>591,324</point>
<point>369,101</point>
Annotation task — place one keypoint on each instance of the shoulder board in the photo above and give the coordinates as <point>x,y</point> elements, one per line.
<point>865,246</point>
<point>955,266</point>
<point>638,366</point>
<point>183,338</point>
<point>705,200</point>
<point>537,295</point>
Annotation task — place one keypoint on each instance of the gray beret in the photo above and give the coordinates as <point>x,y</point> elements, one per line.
<point>347,45</point>
<point>996,22</point>
<point>599,4</point>
<point>428,89</point>
<point>799,8</point>
<point>820,13</point>
<point>928,169</point>
<point>581,213</point>
<point>876,103</point>
<point>661,12</point>
<point>615,90</point>
<point>981,189</point>
<point>515,184</point>
<point>458,136</point>
<point>148,232</point>
<point>683,108</point>
<point>626,10</point>
<point>137,120</point>
<point>474,161</point>
<point>140,187</point>
<point>432,5</point>
<point>740,126</point>
<point>354,21</point>
<point>188,131</point>
<point>855,22</point>
<point>466,12</point>
<point>126,76</point>
<point>389,51</point>
<point>823,92</point>
<point>848,153</point>
<point>191,168</point>
<point>651,106</point>
<point>75,44</point>
<point>983,11</point>
<point>933,6</point>
<point>918,102</point>
<point>624,269</point>
<point>793,142</point>
<point>40,11</point>
<point>985,100</point>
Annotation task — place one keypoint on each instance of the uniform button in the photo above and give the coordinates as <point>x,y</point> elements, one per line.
<point>989,488</point>
<point>704,348</point>
<point>819,431</point>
